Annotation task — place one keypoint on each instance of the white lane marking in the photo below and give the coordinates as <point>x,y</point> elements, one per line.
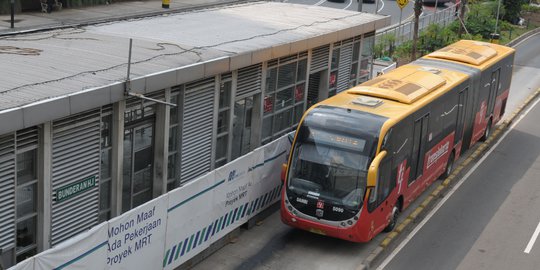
<point>519,43</point>
<point>382,2</point>
<point>319,3</point>
<point>439,205</point>
<point>533,239</point>
<point>350,3</point>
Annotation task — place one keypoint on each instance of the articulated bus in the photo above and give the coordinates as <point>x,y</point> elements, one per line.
<point>362,156</point>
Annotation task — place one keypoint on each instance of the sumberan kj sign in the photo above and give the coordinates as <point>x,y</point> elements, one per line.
<point>74,189</point>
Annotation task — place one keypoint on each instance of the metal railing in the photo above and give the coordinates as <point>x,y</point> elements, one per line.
<point>404,32</point>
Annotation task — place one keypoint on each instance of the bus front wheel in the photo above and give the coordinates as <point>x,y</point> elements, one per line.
<point>393,221</point>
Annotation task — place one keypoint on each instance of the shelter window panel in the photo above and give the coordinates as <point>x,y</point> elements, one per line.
<point>173,180</point>
<point>224,121</point>
<point>267,129</point>
<point>301,71</point>
<point>366,57</point>
<point>271,79</point>
<point>138,153</point>
<point>334,66</point>
<point>287,75</point>
<point>284,98</point>
<point>353,79</point>
<point>282,122</point>
<point>284,101</point>
<point>105,164</point>
<point>26,204</point>
<point>243,110</point>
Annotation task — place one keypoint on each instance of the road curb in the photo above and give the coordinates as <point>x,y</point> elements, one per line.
<point>389,243</point>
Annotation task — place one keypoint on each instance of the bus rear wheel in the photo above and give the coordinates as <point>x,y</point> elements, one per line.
<point>487,132</point>
<point>449,166</point>
<point>393,221</point>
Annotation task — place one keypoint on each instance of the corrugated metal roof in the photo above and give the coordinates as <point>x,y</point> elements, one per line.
<point>68,64</point>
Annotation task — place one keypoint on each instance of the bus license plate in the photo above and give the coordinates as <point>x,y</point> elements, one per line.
<point>317,231</point>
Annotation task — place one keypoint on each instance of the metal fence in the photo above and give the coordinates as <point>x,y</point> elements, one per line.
<point>404,32</point>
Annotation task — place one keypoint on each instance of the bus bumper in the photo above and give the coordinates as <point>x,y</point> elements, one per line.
<point>350,233</point>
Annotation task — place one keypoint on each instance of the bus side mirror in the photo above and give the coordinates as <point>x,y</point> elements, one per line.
<point>283,171</point>
<point>374,169</point>
<point>373,179</point>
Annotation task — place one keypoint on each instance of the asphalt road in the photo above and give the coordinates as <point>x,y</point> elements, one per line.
<point>489,220</point>
<point>526,71</point>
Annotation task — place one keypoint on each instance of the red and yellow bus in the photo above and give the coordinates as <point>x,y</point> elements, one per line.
<point>362,156</point>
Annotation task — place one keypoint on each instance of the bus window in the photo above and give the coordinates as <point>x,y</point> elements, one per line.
<point>386,185</point>
<point>494,87</point>
<point>462,104</point>
<point>419,145</point>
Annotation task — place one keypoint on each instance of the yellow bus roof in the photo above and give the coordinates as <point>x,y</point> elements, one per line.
<point>398,93</point>
<point>472,53</point>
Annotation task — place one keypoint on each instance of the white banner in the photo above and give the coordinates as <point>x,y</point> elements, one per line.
<point>189,221</point>
<point>267,176</point>
<point>84,251</point>
<point>136,238</point>
<point>169,230</point>
<point>231,201</point>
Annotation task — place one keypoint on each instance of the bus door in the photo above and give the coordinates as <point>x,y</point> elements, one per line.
<point>419,146</point>
<point>494,87</point>
<point>460,121</point>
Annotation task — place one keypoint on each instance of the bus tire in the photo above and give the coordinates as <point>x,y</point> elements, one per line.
<point>449,166</point>
<point>393,221</point>
<point>487,132</point>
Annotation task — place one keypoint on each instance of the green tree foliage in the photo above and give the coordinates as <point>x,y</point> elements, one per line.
<point>385,46</point>
<point>436,37</point>
<point>530,8</point>
<point>481,18</point>
<point>513,10</point>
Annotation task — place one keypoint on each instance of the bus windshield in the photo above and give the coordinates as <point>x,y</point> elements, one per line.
<point>336,174</point>
<point>330,159</point>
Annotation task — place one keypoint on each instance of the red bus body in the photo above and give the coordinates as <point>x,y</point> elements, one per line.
<point>476,103</point>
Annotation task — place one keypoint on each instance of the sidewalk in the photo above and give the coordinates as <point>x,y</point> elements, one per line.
<point>34,21</point>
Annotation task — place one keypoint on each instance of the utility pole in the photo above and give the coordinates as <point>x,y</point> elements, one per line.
<point>360,5</point>
<point>463,3</point>
<point>495,36</point>
<point>418,5</point>
<point>12,13</point>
